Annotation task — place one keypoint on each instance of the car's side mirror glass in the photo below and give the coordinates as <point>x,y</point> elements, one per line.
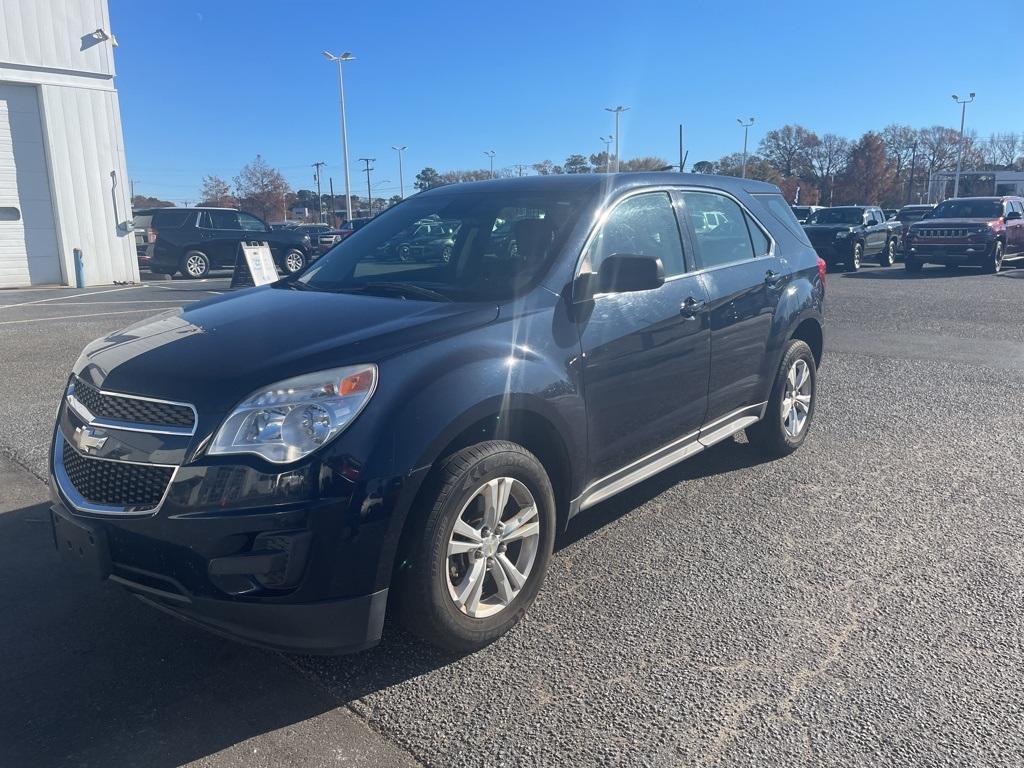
<point>623,273</point>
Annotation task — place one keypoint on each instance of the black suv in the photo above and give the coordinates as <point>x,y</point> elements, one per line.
<point>848,234</point>
<point>193,241</point>
<point>420,445</point>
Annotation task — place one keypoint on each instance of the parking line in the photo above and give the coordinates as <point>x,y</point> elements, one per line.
<point>126,301</point>
<point>73,317</point>
<point>69,296</point>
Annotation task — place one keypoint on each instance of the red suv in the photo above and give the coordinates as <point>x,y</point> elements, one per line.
<point>968,231</point>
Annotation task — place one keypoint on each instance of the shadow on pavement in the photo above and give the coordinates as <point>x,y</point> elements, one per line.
<point>92,677</point>
<point>929,272</point>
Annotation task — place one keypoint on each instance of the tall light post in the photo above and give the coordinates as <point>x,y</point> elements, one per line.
<point>401,175</point>
<point>746,127</point>
<point>607,141</point>
<point>618,111</point>
<point>491,153</point>
<point>346,56</point>
<point>960,155</point>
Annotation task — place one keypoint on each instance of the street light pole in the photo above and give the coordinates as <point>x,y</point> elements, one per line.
<point>346,56</point>
<point>618,111</point>
<point>401,176</point>
<point>491,153</point>
<point>960,155</point>
<point>746,127</point>
<point>607,141</point>
<point>369,191</point>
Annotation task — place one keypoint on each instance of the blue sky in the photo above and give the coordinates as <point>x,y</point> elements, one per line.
<point>205,86</point>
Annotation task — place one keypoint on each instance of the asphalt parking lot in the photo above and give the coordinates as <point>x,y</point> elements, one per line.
<point>858,603</point>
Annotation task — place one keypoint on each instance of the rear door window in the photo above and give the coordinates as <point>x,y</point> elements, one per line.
<point>726,243</point>
<point>225,219</point>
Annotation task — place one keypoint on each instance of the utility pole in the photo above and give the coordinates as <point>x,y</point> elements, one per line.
<point>520,167</point>
<point>618,111</point>
<point>131,187</point>
<point>490,153</point>
<point>369,191</point>
<point>401,173</point>
<point>960,155</point>
<point>913,167</point>
<point>682,159</point>
<point>746,127</point>
<point>319,201</point>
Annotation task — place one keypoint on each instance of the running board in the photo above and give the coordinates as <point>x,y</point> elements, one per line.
<point>662,459</point>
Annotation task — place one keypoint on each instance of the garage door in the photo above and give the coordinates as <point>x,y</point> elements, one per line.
<point>28,241</point>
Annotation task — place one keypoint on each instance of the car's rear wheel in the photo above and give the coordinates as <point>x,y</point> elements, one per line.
<point>294,261</point>
<point>446,254</point>
<point>195,265</point>
<point>473,564</point>
<point>995,259</point>
<point>888,257</point>
<point>855,257</point>
<point>787,417</point>
<point>404,252</point>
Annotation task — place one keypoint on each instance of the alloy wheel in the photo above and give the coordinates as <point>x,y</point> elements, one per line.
<point>796,403</point>
<point>492,547</point>
<point>293,262</point>
<point>195,265</point>
<point>856,256</point>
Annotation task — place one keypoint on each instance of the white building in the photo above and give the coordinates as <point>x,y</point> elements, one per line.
<point>63,182</point>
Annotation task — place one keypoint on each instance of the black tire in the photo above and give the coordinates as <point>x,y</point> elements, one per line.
<point>293,261</point>
<point>912,265</point>
<point>888,256</point>
<point>853,261</point>
<point>995,259</point>
<point>446,254</point>
<point>769,435</point>
<point>423,602</point>
<point>195,265</point>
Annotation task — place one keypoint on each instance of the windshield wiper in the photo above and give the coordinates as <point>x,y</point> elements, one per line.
<point>404,290</point>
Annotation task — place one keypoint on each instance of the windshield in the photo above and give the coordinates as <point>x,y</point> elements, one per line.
<point>801,211</point>
<point>968,209</point>
<point>837,216</point>
<point>487,246</point>
<point>912,214</point>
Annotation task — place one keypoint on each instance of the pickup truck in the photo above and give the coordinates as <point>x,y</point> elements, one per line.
<point>849,234</point>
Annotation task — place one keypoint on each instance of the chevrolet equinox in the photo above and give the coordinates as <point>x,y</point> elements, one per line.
<point>418,447</point>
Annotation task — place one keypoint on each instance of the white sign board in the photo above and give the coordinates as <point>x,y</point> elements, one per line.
<point>261,263</point>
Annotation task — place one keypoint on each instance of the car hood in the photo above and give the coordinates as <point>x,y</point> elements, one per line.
<point>215,353</point>
<point>951,222</point>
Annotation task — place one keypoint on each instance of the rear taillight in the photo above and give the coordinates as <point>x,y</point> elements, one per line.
<point>822,269</point>
<point>150,235</point>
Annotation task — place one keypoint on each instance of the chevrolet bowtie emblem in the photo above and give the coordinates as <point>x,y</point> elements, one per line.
<point>89,439</point>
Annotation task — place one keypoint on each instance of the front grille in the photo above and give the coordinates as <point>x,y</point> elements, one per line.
<point>132,410</point>
<point>942,232</point>
<point>116,483</point>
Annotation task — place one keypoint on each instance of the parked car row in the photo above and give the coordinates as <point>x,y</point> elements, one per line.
<point>968,231</point>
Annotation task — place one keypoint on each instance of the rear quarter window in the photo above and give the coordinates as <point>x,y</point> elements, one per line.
<point>781,212</point>
<point>169,218</point>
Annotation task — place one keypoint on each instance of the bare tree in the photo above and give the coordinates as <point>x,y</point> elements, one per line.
<point>828,159</point>
<point>216,192</point>
<point>787,149</point>
<point>547,168</point>
<point>643,164</point>
<point>899,141</point>
<point>260,188</point>
<point>1003,149</point>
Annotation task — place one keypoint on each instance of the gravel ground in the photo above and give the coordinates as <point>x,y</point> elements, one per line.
<point>858,603</point>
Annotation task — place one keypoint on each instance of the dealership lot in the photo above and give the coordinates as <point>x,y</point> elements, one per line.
<point>859,602</point>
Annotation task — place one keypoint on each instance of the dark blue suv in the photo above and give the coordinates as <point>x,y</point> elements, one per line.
<point>418,447</point>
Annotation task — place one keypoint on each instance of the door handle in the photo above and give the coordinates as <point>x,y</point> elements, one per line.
<point>772,279</point>
<point>690,307</point>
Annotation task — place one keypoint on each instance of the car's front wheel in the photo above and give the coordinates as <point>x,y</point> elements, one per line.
<point>853,264</point>
<point>474,561</point>
<point>995,260</point>
<point>294,261</point>
<point>888,257</point>
<point>195,265</point>
<point>790,408</point>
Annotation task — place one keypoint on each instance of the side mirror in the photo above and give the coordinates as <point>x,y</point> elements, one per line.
<point>1013,216</point>
<point>623,273</point>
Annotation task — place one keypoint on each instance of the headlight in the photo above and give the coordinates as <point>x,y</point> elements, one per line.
<point>842,234</point>
<point>289,420</point>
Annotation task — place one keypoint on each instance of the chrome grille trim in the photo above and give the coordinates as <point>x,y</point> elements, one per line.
<point>83,412</point>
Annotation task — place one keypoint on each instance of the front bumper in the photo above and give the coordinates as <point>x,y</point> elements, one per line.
<point>104,550</point>
<point>949,253</point>
<point>837,251</point>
